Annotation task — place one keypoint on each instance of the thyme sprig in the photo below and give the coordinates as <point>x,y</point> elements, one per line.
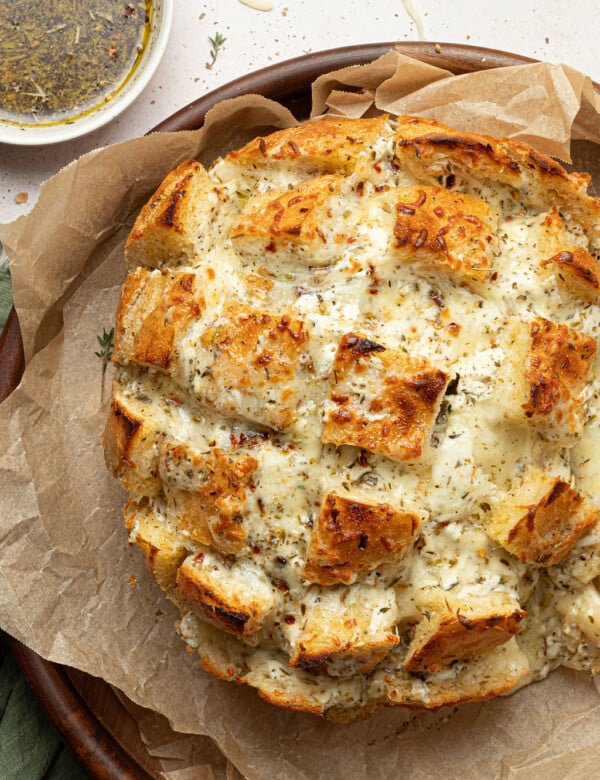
<point>216,45</point>
<point>107,345</point>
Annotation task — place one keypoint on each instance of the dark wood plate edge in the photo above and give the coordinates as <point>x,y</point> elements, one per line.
<point>300,72</point>
<point>287,82</point>
<point>96,748</point>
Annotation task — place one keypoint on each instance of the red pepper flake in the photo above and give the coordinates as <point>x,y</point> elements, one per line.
<point>289,619</point>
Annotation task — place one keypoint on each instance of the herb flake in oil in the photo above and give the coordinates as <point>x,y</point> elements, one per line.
<point>65,58</point>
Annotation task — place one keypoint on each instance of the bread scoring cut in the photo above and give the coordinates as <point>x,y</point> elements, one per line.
<point>356,406</point>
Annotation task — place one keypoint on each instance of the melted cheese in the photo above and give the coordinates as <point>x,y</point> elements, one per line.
<point>477,440</point>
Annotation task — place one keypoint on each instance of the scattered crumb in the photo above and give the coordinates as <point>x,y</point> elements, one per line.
<point>21,197</point>
<point>132,580</point>
<point>284,11</point>
<point>547,40</point>
<point>438,48</point>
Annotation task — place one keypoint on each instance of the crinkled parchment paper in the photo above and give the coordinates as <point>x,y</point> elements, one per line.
<point>64,558</point>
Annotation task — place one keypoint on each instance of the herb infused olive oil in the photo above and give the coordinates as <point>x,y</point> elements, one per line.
<point>60,59</point>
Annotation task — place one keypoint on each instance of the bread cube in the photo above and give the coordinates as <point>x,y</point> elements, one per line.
<point>453,629</point>
<point>206,495</point>
<point>354,536</point>
<point>256,366</point>
<point>547,367</point>
<point>348,632</point>
<point>155,311</point>
<point>161,547</point>
<point>236,597</point>
<point>131,439</point>
<point>305,224</point>
<point>177,221</point>
<point>541,519</point>
<point>576,272</point>
<point>447,233</point>
<point>382,399</point>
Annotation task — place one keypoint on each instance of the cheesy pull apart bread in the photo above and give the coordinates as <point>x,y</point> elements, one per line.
<point>356,408</point>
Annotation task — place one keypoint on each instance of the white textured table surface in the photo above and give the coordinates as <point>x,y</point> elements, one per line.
<point>551,30</point>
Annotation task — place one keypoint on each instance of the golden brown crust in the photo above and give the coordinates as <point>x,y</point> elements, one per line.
<point>541,519</point>
<point>154,310</point>
<point>454,630</point>
<point>382,399</point>
<point>212,597</point>
<point>327,146</point>
<point>351,538</point>
<point>558,367</point>
<point>166,229</point>
<point>447,232</point>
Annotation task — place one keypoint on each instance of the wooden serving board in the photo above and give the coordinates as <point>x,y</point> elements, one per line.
<point>84,709</point>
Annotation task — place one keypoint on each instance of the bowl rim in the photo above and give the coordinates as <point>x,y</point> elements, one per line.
<point>43,135</point>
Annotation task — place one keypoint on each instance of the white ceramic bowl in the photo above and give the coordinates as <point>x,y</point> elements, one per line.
<point>32,135</point>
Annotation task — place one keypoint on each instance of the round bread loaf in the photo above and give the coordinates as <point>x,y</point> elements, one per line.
<point>356,410</point>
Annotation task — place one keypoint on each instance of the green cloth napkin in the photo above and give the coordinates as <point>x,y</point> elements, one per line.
<point>5,292</point>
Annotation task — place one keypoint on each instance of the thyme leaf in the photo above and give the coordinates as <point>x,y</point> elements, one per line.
<point>107,344</point>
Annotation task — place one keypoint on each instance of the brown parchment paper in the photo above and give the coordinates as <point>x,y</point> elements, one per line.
<point>64,560</point>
